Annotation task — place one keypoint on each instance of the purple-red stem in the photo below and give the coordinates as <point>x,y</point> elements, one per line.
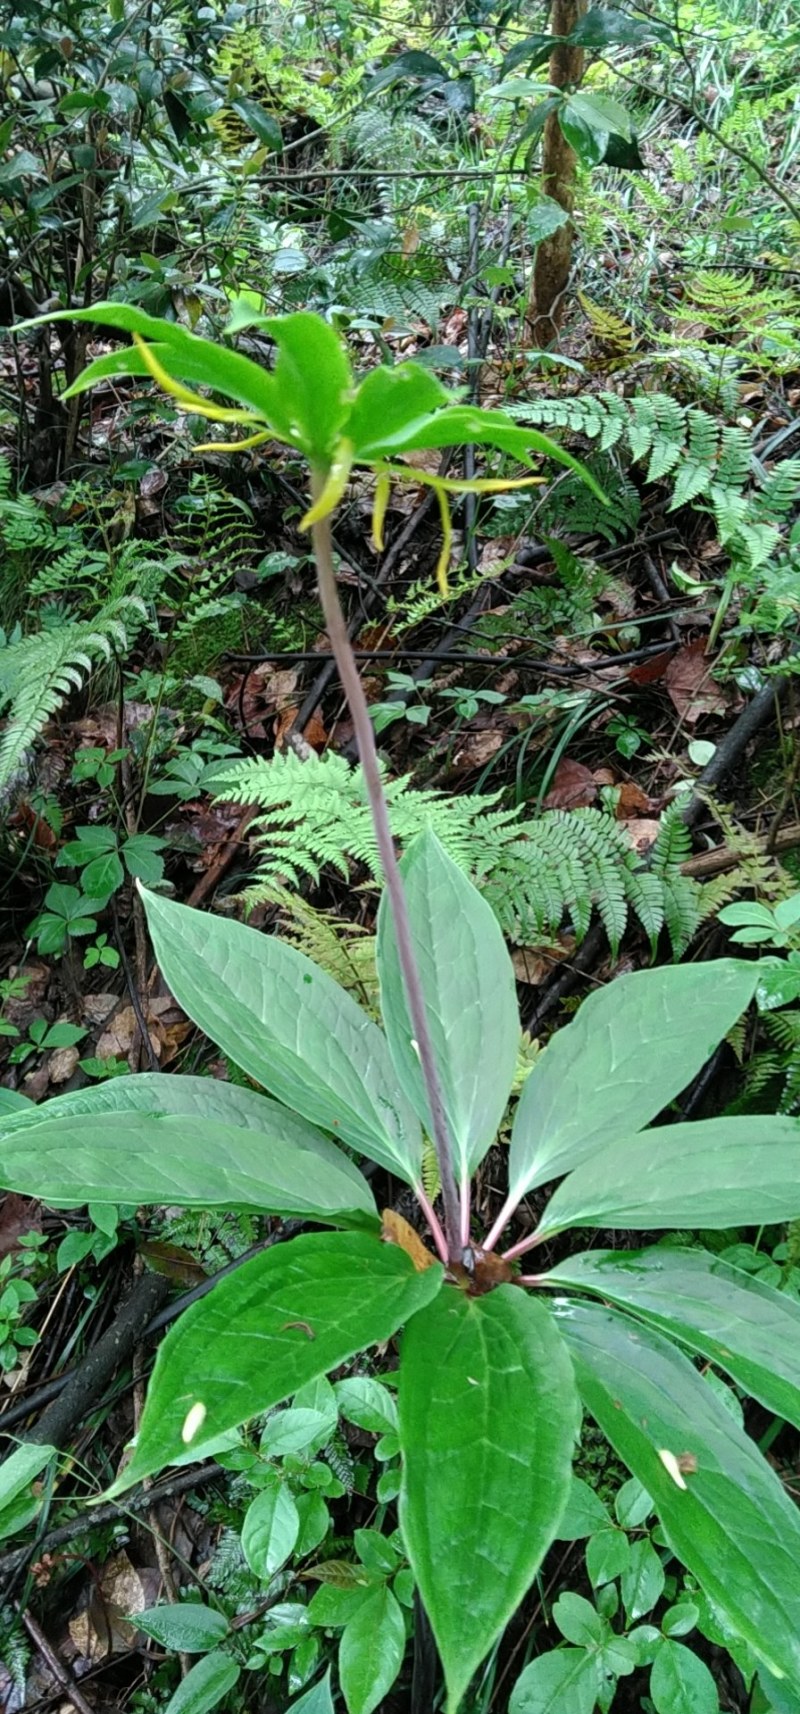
<point>365,739</point>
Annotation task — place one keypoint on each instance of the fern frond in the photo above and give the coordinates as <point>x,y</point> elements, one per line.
<point>535,874</point>
<point>39,672</point>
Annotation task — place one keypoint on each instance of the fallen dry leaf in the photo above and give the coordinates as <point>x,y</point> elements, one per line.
<point>104,1628</point>
<point>574,786</point>
<point>689,684</point>
<point>641,833</point>
<point>632,799</point>
<point>533,968</point>
<point>477,749</point>
<point>62,1063</point>
<point>167,1027</point>
<point>396,1230</point>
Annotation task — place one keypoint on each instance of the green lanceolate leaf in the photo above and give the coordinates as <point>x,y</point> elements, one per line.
<point>466,425</point>
<point>390,404</point>
<point>143,1158</point>
<point>278,1321</point>
<point>314,380</point>
<point>716,1173</point>
<point>564,1681</point>
<point>192,1098</point>
<point>186,356</point>
<point>17,1471</point>
<point>729,1519</point>
<point>632,1047</point>
<point>270,1529</point>
<point>186,1625</point>
<point>680,1683</point>
<point>741,1324</point>
<point>291,1027</point>
<point>488,1418</point>
<point>205,1686</point>
<point>470,999</point>
<point>371,1651</point>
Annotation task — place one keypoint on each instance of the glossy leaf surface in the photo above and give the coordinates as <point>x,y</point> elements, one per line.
<point>633,1046</point>
<point>146,1158</point>
<point>205,1685</point>
<point>488,1418</point>
<point>680,1683</point>
<point>187,356</point>
<point>288,1315</point>
<point>289,1026</point>
<point>191,1098</point>
<point>715,1173</point>
<point>371,1651</point>
<point>730,1522</point>
<point>734,1319</point>
<point>186,1625</point>
<point>270,1529</point>
<point>470,999</point>
<point>561,1680</point>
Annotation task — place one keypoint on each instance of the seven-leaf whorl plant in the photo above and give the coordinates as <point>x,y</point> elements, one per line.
<point>495,1360</point>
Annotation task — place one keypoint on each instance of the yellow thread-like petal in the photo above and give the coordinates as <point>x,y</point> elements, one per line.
<point>456,485</point>
<point>443,562</point>
<point>383,488</point>
<point>338,477</point>
<point>193,401</point>
<point>236,445</point>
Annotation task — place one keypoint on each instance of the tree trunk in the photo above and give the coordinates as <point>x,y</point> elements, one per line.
<point>553,260</point>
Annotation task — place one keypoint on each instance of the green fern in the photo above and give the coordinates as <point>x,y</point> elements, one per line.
<point>37,673</point>
<point>709,465</point>
<point>534,874</point>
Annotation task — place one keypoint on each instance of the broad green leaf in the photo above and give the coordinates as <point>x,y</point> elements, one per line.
<point>290,1314</point>
<point>680,1682</point>
<point>371,1651</point>
<point>588,141</point>
<point>270,1529</point>
<point>715,1173</point>
<point>578,1620</point>
<point>601,112</point>
<point>367,1403</point>
<point>314,380</point>
<point>390,403</point>
<point>744,1326</point>
<point>488,1419</point>
<point>560,1681</point>
<point>205,1686</point>
<point>289,1026</point>
<point>186,356</point>
<point>729,1520</point>
<point>607,1556</point>
<point>146,1158</point>
<point>642,1581</point>
<point>583,1514</point>
<point>466,425</point>
<point>315,1521</point>
<point>187,1626</point>
<point>202,1098</point>
<point>18,1470</point>
<point>317,1700</point>
<point>470,999</point>
<point>605,24</point>
<point>262,124</point>
<point>12,1102</point>
<point>632,1047</point>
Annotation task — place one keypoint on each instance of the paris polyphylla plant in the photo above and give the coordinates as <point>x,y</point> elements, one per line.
<point>492,1372</point>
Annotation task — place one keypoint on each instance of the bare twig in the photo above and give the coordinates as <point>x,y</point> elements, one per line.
<point>60,1672</point>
